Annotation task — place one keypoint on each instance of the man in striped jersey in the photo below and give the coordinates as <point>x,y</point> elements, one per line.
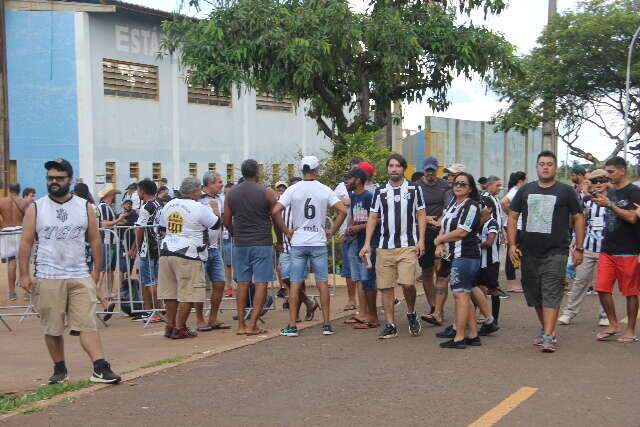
<point>595,217</point>
<point>400,207</point>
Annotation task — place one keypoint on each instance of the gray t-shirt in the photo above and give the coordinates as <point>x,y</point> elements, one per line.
<point>434,196</point>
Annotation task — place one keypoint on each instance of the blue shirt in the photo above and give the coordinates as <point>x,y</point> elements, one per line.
<point>360,206</point>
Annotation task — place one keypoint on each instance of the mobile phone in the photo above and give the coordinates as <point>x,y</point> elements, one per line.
<point>367,259</point>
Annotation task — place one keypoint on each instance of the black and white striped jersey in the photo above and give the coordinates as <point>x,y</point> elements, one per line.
<point>595,226</point>
<point>497,212</point>
<point>398,208</point>
<point>464,215</point>
<point>286,217</point>
<point>490,255</point>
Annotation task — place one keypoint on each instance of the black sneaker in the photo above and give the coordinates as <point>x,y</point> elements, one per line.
<point>102,373</point>
<point>415,327</point>
<point>459,345</point>
<point>168,331</point>
<point>389,331</point>
<point>447,332</point>
<point>474,342</point>
<point>488,328</point>
<point>282,293</point>
<point>59,376</point>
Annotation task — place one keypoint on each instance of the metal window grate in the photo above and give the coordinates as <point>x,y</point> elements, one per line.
<point>134,170</point>
<point>268,102</point>
<point>212,167</point>
<point>291,170</point>
<point>193,169</point>
<point>230,174</point>
<point>130,80</point>
<point>275,173</point>
<point>156,171</point>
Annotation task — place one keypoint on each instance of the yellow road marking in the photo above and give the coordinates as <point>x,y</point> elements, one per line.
<point>495,414</point>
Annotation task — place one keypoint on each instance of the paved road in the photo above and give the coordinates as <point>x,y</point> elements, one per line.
<point>352,379</point>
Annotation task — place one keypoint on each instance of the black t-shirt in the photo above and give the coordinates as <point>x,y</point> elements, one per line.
<point>127,233</point>
<point>434,196</point>
<point>466,216</point>
<point>545,217</point>
<point>620,236</point>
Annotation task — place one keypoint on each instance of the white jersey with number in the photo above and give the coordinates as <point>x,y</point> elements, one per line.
<point>187,224</point>
<point>60,238</point>
<point>309,201</point>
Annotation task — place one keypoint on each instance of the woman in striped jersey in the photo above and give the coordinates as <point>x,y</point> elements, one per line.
<point>594,216</point>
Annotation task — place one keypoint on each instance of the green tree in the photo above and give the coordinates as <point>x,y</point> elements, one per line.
<point>580,62</point>
<point>347,67</point>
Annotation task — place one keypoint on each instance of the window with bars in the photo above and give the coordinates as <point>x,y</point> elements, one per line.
<point>130,80</point>
<point>156,171</point>
<point>275,173</point>
<point>134,170</point>
<point>268,102</point>
<point>110,173</point>
<point>230,172</point>
<point>193,169</point>
<point>260,172</point>
<point>211,167</point>
<point>197,94</point>
<point>291,170</point>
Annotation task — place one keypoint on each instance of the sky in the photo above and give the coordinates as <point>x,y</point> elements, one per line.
<point>521,23</point>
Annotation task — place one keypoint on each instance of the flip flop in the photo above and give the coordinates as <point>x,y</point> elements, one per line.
<point>429,318</point>
<point>110,312</point>
<point>258,332</point>
<point>627,340</point>
<point>349,307</point>
<point>220,325</point>
<point>605,335</point>
<point>205,328</point>
<point>353,321</point>
<point>365,325</point>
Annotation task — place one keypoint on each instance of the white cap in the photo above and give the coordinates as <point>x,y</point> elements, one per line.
<point>311,161</point>
<point>457,168</point>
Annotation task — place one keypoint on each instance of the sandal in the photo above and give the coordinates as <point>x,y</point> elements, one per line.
<point>366,325</point>
<point>109,311</point>
<point>205,328</point>
<point>605,335</point>
<point>353,320</point>
<point>220,325</point>
<point>431,319</point>
<point>258,332</point>
<point>350,307</point>
<point>627,340</point>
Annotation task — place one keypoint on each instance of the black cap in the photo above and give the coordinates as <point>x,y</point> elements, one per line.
<point>60,164</point>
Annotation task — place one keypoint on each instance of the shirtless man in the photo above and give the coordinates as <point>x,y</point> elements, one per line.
<point>12,209</point>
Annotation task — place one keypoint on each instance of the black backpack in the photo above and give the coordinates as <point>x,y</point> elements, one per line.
<point>125,305</point>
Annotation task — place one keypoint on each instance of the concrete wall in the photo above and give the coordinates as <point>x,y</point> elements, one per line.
<point>170,130</point>
<point>474,144</point>
<point>41,73</point>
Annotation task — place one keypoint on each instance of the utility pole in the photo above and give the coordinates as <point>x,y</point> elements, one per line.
<point>549,137</point>
<point>4,106</point>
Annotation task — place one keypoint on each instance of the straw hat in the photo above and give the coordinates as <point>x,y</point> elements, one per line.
<point>107,190</point>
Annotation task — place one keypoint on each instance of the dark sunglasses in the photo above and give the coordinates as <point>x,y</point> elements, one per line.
<point>602,180</point>
<point>51,178</point>
<point>461,184</point>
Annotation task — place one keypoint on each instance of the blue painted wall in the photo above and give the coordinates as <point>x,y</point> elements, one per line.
<point>41,72</point>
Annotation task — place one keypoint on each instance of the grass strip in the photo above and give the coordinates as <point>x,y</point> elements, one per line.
<point>166,361</point>
<point>11,402</point>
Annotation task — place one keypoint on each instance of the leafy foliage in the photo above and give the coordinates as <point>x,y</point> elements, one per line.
<point>346,67</point>
<point>579,67</point>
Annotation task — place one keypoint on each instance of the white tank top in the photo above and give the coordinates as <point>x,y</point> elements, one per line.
<point>60,234</point>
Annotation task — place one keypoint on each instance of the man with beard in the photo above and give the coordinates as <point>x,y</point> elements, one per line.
<point>12,209</point>
<point>64,291</point>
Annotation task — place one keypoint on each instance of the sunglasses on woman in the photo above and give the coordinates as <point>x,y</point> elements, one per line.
<point>602,180</point>
<point>460,184</point>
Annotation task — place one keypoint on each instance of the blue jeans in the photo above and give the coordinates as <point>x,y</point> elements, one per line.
<point>253,264</point>
<point>148,271</point>
<point>302,255</point>
<point>359,270</point>
<point>226,252</point>
<point>464,273</point>
<point>214,266</point>
<point>346,262</point>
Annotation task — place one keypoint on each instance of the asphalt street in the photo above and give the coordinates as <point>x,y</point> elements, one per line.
<point>353,379</point>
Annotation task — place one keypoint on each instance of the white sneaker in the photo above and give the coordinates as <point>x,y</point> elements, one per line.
<point>565,319</point>
<point>603,321</point>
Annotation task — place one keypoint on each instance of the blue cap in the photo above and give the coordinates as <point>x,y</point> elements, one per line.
<point>430,163</point>
<point>578,169</point>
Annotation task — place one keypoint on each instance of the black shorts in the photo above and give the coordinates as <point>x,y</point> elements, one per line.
<point>445,269</point>
<point>489,276</point>
<point>427,260</point>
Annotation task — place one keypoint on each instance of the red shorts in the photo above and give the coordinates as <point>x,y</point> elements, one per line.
<point>623,269</point>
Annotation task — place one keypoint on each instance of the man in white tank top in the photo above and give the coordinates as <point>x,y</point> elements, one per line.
<point>64,289</point>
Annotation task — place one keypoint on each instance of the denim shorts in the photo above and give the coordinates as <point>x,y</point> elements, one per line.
<point>359,270</point>
<point>148,271</point>
<point>303,255</point>
<point>346,262</point>
<point>108,257</point>
<point>464,274</point>
<point>370,283</point>
<point>253,264</point>
<point>214,266</point>
<point>226,252</point>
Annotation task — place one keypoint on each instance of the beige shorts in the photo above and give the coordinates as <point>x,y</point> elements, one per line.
<point>396,266</point>
<point>73,300</point>
<point>181,279</point>
<point>10,242</point>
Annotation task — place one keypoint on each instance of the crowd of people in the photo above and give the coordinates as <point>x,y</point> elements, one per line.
<point>450,233</point>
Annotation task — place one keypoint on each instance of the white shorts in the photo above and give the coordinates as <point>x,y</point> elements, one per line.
<point>10,242</point>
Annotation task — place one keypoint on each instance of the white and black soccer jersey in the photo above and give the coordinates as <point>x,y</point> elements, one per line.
<point>149,214</point>
<point>286,217</point>
<point>595,216</point>
<point>465,215</point>
<point>497,213</point>
<point>398,208</point>
<point>490,255</point>
<point>106,213</point>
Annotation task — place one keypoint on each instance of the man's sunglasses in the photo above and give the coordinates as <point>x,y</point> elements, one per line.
<point>460,184</point>
<point>57,178</point>
<point>602,180</point>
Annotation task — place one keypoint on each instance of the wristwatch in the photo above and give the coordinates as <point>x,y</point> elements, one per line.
<point>579,249</point>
